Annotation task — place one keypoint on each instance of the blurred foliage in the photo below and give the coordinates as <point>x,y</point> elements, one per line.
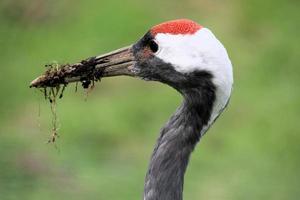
<point>252,152</point>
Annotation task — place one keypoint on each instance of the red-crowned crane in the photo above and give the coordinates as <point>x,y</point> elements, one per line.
<point>189,58</point>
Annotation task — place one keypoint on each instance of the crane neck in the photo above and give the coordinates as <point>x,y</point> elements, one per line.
<point>165,177</point>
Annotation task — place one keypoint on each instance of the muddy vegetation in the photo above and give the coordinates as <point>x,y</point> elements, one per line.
<point>55,80</point>
<point>55,75</point>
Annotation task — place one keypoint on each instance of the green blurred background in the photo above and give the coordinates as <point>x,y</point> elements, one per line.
<point>252,152</point>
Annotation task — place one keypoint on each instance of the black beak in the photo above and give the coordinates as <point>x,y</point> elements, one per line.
<point>115,63</point>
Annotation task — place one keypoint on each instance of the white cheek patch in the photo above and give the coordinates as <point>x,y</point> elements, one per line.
<point>180,51</point>
<point>197,52</point>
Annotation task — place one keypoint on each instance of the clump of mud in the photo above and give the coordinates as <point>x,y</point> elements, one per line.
<point>84,72</point>
<point>54,81</point>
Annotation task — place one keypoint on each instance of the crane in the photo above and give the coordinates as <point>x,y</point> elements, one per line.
<point>189,58</point>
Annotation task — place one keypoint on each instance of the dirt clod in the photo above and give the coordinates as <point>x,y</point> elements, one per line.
<point>53,82</point>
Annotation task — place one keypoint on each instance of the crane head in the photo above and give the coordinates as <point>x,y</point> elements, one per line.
<point>184,55</point>
<point>179,53</point>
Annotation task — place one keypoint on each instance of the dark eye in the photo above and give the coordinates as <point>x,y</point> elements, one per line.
<point>153,46</point>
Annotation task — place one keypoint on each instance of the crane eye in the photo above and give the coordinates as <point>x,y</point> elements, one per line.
<point>153,46</point>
